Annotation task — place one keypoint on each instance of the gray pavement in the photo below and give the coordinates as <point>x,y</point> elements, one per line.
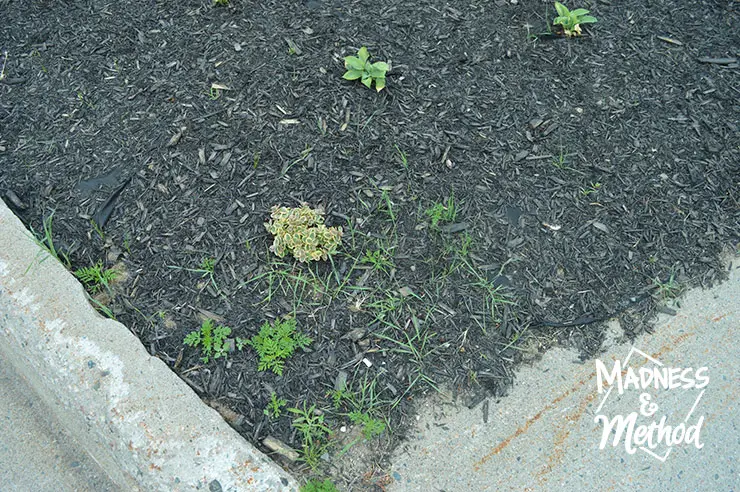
<point>544,436</point>
<point>36,452</point>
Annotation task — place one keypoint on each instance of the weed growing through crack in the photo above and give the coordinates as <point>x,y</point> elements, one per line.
<point>210,339</point>
<point>96,277</point>
<point>275,343</point>
<point>274,406</point>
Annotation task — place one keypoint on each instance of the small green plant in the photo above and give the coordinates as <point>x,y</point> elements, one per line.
<point>442,212</point>
<point>378,260</point>
<point>404,158</point>
<point>371,427</point>
<point>210,339</point>
<point>571,21</point>
<point>222,3</point>
<point>46,241</point>
<point>275,343</point>
<point>669,289</point>
<point>315,485</point>
<point>593,188</point>
<point>310,424</point>
<point>96,277</point>
<point>301,232</point>
<point>274,406</point>
<point>359,67</point>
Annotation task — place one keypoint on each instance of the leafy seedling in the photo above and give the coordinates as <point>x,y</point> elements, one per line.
<point>571,21</point>
<point>275,343</point>
<point>359,67</point>
<point>96,277</point>
<point>275,406</point>
<point>210,339</point>
<point>442,212</point>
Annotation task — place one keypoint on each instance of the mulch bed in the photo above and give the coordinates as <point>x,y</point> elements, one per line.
<point>587,173</point>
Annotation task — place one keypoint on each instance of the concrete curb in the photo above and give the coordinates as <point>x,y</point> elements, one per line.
<point>143,425</point>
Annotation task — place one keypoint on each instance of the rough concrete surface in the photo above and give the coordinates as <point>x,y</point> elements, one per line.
<point>144,427</point>
<point>36,451</point>
<point>543,435</point>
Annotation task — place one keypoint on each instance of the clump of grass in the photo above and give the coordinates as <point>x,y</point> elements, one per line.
<point>440,213</point>
<point>310,424</point>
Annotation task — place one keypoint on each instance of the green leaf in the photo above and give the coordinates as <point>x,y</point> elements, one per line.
<point>379,83</point>
<point>379,67</point>
<point>367,81</point>
<point>588,20</point>
<point>352,74</point>
<point>579,12</point>
<point>363,54</point>
<point>560,20</point>
<point>562,9</point>
<point>353,63</point>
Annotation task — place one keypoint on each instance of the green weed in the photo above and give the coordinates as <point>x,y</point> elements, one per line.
<point>210,339</point>
<point>275,343</point>
<point>444,212</point>
<point>274,406</point>
<point>96,277</point>
<point>313,431</point>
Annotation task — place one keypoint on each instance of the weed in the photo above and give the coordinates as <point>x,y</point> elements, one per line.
<point>222,3</point>
<point>207,268</point>
<point>571,21</point>
<point>47,242</point>
<point>301,232</point>
<point>96,276</point>
<point>403,157</point>
<point>593,188</point>
<point>442,212</point>
<point>314,485</point>
<point>669,289</point>
<point>378,259</point>
<point>275,343</point>
<point>386,206</point>
<point>210,339</point>
<point>371,427</point>
<point>417,347</point>
<point>274,406</point>
<point>359,67</point>
<point>313,430</point>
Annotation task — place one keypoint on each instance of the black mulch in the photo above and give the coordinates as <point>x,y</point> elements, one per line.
<point>585,169</point>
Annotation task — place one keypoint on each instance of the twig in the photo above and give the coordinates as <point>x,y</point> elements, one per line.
<point>5,60</point>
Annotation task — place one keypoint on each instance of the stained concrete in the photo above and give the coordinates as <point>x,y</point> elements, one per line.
<point>543,436</point>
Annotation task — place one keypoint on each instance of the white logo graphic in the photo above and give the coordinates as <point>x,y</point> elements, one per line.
<point>648,429</point>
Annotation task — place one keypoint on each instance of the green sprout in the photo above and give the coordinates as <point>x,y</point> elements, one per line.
<point>274,406</point>
<point>571,21</point>
<point>359,67</point>
<point>211,340</point>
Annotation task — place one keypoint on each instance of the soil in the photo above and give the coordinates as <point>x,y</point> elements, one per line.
<point>592,177</point>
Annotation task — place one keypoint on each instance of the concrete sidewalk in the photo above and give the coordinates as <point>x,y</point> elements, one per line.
<point>84,406</point>
<point>543,435</point>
